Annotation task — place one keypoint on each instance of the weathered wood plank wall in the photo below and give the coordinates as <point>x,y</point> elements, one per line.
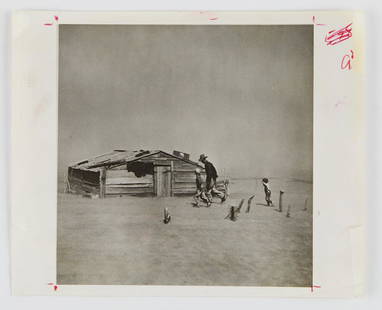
<point>118,181</point>
<point>182,179</point>
<point>121,182</point>
<point>83,181</point>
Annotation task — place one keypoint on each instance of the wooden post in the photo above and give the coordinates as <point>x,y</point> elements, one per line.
<point>226,183</point>
<point>281,201</point>
<point>155,181</point>
<point>232,214</point>
<point>288,211</point>
<point>167,182</point>
<point>102,182</point>
<point>240,205</point>
<point>249,203</point>
<point>166,216</point>
<point>172,179</point>
<point>306,205</point>
<point>67,184</point>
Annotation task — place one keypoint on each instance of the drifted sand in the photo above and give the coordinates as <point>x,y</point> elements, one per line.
<point>123,240</point>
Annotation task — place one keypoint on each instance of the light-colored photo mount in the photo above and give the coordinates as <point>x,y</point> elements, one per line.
<point>337,206</point>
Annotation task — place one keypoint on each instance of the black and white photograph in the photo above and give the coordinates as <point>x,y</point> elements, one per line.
<point>185,155</point>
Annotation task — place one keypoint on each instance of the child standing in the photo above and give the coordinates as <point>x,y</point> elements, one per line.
<point>267,191</point>
<point>200,193</point>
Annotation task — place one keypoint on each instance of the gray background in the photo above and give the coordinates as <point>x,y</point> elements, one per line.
<point>241,94</point>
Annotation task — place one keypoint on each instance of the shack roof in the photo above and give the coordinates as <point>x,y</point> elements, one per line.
<point>120,157</point>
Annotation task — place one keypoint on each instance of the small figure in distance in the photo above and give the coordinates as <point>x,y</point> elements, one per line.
<point>267,191</point>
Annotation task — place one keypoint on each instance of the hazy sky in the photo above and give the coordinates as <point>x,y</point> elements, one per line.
<point>241,94</point>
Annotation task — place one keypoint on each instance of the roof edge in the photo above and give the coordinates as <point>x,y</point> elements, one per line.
<point>124,161</point>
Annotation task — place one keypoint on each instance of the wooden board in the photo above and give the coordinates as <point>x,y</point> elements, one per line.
<point>185,186</point>
<point>102,182</point>
<point>183,165</point>
<point>128,190</point>
<point>162,181</point>
<point>142,180</point>
<point>184,191</point>
<point>188,170</point>
<point>130,185</point>
<point>177,181</point>
<point>81,188</point>
<point>83,174</point>
<point>113,173</point>
<point>124,174</point>
<point>126,177</point>
<point>184,178</point>
<point>81,181</point>
<point>118,168</point>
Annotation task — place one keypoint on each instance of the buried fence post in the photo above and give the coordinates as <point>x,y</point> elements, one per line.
<point>240,205</point>
<point>281,201</point>
<point>306,205</point>
<point>166,216</point>
<point>226,189</point>
<point>233,211</point>
<point>232,214</point>
<point>288,211</point>
<point>249,203</point>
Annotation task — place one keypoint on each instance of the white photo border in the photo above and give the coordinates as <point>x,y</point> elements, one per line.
<point>339,152</point>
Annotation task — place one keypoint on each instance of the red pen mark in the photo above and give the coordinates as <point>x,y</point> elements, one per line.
<point>346,61</point>
<point>212,16</point>
<point>51,24</point>
<point>55,287</point>
<point>314,22</point>
<point>313,287</point>
<point>337,36</point>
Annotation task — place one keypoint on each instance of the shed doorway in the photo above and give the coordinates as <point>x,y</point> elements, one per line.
<point>162,181</point>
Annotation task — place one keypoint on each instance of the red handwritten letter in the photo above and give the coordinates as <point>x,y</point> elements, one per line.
<point>346,61</point>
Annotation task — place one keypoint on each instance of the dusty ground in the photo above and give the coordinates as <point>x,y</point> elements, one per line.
<point>124,241</point>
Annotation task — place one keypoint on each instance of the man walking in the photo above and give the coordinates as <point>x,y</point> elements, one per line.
<point>211,178</point>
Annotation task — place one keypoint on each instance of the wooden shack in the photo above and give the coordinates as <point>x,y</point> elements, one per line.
<point>141,172</point>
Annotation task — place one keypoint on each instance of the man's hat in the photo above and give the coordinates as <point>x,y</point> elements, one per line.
<point>203,156</point>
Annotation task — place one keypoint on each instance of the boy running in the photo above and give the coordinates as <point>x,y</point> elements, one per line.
<point>267,191</point>
<point>200,192</point>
